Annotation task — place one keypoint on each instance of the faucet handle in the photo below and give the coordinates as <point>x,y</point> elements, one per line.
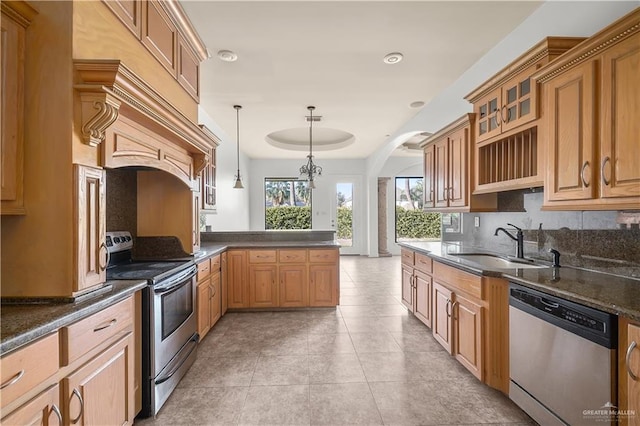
<point>511,224</point>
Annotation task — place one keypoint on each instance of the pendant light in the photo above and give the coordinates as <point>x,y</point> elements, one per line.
<point>238,184</point>
<point>310,170</point>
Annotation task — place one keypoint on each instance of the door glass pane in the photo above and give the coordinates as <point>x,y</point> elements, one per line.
<point>524,107</point>
<point>512,95</point>
<point>287,204</point>
<point>412,223</point>
<point>344,205</point>
<point>511,113</point>
<point>493,123</point>
<point>483,111</point>
<point>493,105</point>
<point>483,127</point>
<point>525,87</point>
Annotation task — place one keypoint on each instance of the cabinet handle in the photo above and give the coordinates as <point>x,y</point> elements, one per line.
<point>77,394</point>
<point>108,257</point>
<point>453,309</point>
<point>13,380</point>
<point>604,162</point>
<point>450,193</point>
<point>498,116</point>
<point>57,412</point>
<point>630,349</point>
<point>504,120</point>
<point>584,182</point>
<point>447,308</point>
<point>112,322</point>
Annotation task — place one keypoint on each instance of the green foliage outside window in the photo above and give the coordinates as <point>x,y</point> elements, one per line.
<point>288,217</point>
<point>345,223</point>
<point>416,224</point>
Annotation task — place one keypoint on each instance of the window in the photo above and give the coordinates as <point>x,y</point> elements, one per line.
<point>287,204</point>
<point>413,224</point>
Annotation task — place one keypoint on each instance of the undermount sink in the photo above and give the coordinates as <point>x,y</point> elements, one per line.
<point>493,261</point>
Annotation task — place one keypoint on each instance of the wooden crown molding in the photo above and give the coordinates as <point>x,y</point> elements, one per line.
<point>108,85</point>
<point>466,120</point>
<point>178,15</point>
<point>623,28</point>
<point>20,11</point>
<point>548,46</point>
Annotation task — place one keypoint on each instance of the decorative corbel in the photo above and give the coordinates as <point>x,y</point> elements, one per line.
<point>99,111</point>
<point>200,161</point>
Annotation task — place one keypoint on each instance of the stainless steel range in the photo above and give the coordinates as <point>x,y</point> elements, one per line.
<point>169,323</point>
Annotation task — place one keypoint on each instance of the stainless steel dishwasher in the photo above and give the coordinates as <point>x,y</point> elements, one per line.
<point>562,358</point>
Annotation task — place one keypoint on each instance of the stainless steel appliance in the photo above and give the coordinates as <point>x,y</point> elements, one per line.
<point>562,359</point>
<point>169,323</point>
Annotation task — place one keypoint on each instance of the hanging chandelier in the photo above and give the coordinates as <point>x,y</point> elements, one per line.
<point>310,170</point>
<point>238,178</point>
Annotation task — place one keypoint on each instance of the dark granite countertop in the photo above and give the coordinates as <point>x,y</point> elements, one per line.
<point>24,323</point>
<point>611,293</point>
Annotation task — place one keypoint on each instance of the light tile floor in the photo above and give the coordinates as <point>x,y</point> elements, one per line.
<point>366,362</point>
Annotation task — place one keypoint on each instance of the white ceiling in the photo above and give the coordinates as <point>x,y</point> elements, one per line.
<point>329,54</point>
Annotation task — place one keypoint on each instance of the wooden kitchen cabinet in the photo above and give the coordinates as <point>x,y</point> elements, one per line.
<point>592,100</point>
<point>100,392</point>
<point>41,410</point>
<point>447,175</point>
<point>629,370</point>
<point>237,279</point>
<point>223,283</point>
<point>91,255</point>
<point>208,183</point>
<point>209,294</point>
<point>203,295</point>
<point>467,334</point>
<point>16,17</point>
<point>442,325</point>
<point>324,285</point>
<point>505,149</point>
<point>416,284</point>
<point>294,286</point>
<point>263,286</point>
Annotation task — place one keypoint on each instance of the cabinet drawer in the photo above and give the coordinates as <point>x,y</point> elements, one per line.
<point>323,256</point>
<point>458,280</point>
<point>423,263</point>
<point>262,256</point>
<point>22,370</point>
<point>86,334</point>
<point>204,269</point>
<point>292,256</point>
<point>407,256</point>
<point>215,264</point>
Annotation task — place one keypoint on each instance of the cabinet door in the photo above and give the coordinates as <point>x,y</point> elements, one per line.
<point>633,367</point>
<point>214,299</point>
<point>101,391</point>
<point>467,332</point>
<point>209,183</point>
<point>423,297</point>
<point>223,283</point>
<point>195,240</point>
<point>407,287</point>
<point>429,177</point>
<point>294,286</point>
<point>323,281</point>
<point>441,320</point>
<point>237,283</point>
<point>570,122</point>
<point>441,169</point>
<point>40,411</point>
<point>487,112</point>
<point>458,164</point>
<point>11,134</point>
<point>203,302</point>
<point>263,288</point>
<point>620,118</point>
<point>90,227</point>
<point>519,100</point>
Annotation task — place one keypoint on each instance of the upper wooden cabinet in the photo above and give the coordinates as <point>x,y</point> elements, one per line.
<point>164,29</point>
<point>506,152</point>
<point>447,176</point>
<point>16,16</point>
<point>591,99</point>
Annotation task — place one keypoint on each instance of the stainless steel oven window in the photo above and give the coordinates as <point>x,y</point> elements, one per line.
<point>177,305</point>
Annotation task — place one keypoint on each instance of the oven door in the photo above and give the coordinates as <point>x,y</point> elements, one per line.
<point>173,317</point>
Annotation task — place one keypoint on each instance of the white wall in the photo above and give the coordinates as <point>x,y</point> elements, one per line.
<point>232,213</point>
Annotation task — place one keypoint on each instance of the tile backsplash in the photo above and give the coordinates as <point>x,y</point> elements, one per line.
<point>608,241</point>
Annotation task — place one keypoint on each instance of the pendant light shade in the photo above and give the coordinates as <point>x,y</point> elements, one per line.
<point>310,170</point>
<point>238,179</point>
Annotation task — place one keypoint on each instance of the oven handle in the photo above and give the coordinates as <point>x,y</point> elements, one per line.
<point>194,344</point>
<point>176,282</point>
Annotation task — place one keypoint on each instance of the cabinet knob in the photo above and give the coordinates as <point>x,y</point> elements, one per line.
<point>630,349</point>
<point>604,162</point>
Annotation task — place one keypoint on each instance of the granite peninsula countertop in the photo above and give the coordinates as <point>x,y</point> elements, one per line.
<point>611,293</point>
<point>26,322</point>
<point>208,249</point>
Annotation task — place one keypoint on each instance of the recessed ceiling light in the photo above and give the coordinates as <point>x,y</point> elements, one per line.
<point>227,55</point>
<point>416,104</point>
<point>393,58</point>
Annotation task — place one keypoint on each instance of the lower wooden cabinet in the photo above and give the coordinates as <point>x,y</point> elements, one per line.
<point>223,283</point>
<point>442,324</point>
<point>287,278</point>
<point>202,297</point>
<point>467,334</point>
<point>209,294</point>
<point>416,285</point>
<point>422,309</point>
<point>99,392</point>
<point>629,371</point>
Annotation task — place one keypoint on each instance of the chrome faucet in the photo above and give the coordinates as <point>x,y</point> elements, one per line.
<point>519,239</point>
